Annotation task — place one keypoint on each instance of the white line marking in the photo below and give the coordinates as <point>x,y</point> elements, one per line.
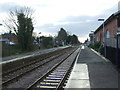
<point>100,55</point>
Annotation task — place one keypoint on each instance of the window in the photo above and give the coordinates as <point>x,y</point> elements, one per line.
<point>108,34</point>
<point>118,21</point>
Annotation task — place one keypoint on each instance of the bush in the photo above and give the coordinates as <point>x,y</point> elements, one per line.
<point>14,49</point>
<point>91,45</point>
<point>96,46</point>
<point>47,42</point>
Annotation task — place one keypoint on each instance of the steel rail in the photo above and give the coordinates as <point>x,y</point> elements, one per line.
<point>48,72</point>
<point>26,72</point>
<point>31,63</point>
<point>61,84</point>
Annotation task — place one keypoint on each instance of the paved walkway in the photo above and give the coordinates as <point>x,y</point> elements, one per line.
<point>92,71</point>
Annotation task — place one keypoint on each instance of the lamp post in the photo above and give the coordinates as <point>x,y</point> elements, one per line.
<point>93,37</point>
<point>0,49</point>
<point>103,41</point>
<point>39,39</point>
<point>1,60</point>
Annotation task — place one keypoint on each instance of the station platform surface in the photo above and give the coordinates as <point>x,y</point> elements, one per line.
<point>91,71</point>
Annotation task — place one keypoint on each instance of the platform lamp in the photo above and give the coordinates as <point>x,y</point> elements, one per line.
<point>0,59</point>
<point>103,42</point>
<point>39,39</point>
<point>1,45</point>
<point>93,36</point>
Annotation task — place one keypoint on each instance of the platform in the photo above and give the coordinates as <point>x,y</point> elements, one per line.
<point>92,71</point>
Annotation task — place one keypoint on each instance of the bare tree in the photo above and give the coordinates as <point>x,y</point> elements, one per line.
<point>20,21</point>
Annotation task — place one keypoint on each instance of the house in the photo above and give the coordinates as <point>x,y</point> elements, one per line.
<point>10,38</point>
<point>111,27</point>
<point>91,35</point>
<point>7,41</point>
<point>111,36</point>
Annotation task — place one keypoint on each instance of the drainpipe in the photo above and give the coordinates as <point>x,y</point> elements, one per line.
<point>117,48</point>
<point>117,51</point>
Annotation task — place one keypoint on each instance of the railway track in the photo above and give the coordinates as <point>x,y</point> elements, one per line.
<point>19,73</point>
<point>15,74</point>
<point>56,77</point>
<point>32,62</point>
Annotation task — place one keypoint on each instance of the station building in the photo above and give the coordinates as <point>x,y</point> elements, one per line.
<point>111,36</point>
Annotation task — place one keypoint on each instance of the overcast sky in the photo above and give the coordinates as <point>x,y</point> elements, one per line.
<point>75,16</point>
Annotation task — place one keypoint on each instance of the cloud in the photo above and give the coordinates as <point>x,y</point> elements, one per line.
<point>5,7</point>
<point>80,25</point>
<point>76,16</point>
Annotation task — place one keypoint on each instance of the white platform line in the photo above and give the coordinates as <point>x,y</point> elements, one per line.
<point>100,55</point>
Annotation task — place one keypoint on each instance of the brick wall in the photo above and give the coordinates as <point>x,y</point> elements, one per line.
<point>99,35</point>
<point>111,27</point>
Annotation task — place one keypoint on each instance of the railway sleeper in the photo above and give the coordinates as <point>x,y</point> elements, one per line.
<point>59,76</point>
<point>53,78</point>
<point>60,70</point>
<point>49,80</point>
<point>49,83</point>
<point>46,86</point>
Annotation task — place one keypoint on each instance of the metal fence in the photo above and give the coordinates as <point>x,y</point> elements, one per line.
<point>113,55</point>
<point>112,52</point>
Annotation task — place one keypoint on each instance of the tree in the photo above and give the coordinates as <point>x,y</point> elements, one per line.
<point>47,42</point>
<point>21,22</point>
<point>74,39</point>
<point>69,39</point>
<point>86,40</point>
<point>62,36</point>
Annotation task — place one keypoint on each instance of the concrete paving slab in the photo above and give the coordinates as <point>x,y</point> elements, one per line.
<point>80,71</point>
<point>79,77</point>
<point>78,84</point>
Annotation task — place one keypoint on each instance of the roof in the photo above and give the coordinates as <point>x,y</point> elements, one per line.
<point>4,39</point>
<point>107,21</point>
